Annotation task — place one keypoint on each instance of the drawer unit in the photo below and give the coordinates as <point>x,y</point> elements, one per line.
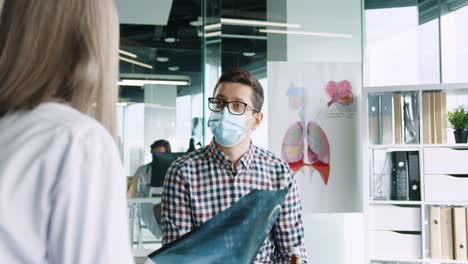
<point>394,245</point>
<point>395,218</point>
<point>445,161</point>
<point>444,187</point>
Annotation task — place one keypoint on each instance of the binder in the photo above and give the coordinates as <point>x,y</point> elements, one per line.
<point>426,115</point>
<point>411,117</point>
<point>435,247</point>
<point>446,235</point>
<point>399,176</point>
<point>374,119</point>
<point>380,178</point>
<point>387,118</point>
<point>443,111</point>
<point>414,191</point>
<point>459,233</point>
<point>397,121</point>
<point>432,111</point>
<point>438,117</point>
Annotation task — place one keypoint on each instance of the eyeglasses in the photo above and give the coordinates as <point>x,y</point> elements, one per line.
<point>234,107</point>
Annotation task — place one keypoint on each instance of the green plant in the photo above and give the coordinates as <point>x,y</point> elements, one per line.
<point>458,118</point>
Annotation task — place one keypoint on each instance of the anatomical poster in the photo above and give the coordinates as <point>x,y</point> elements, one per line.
<point>313,125</point>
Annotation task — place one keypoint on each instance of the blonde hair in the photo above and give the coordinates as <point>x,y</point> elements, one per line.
<point>59,50</point>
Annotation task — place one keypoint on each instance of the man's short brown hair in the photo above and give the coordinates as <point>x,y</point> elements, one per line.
<point>238,75</point>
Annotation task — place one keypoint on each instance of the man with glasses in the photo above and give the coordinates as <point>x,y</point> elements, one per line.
<point>208,180</point>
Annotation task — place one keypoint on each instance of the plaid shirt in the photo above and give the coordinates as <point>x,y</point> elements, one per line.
<point>202,184</point>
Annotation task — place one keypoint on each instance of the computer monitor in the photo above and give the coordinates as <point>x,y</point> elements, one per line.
<point>159,166</point>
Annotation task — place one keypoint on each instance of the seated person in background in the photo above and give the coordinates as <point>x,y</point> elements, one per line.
<point>148,213</point>
<point>208,180</point>
<point>144,171</point>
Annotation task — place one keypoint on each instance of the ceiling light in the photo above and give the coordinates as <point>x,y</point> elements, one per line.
<point>213,26</point>
<point>259,23</point>
<point>136,63</point>
<point>212,34</point>
<point>131,82</point>
<point>128,53</point>
<point>173,68</point>
<point>162,59</point>
<point>171,40</point>
<point>305,33</point>
<point>138,84</point>
<point>248,54</point>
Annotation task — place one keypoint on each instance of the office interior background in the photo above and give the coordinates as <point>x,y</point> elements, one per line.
<point>173,51</point>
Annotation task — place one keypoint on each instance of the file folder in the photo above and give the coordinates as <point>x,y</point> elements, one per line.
<point>446,235</point>
<point>387,118</point>
<point>435,247</point>
<point>380,180</point>
<point>399,176</point>
<point>397,120</point>
<point>374,119</point>
<point>459,233</point>
<point>411,117</point>
<point>438,117</point>
<point>413,175</point>
<point>443,111</point>
<point>426,115</point>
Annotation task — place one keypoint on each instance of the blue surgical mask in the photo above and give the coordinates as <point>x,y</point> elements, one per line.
<point>228,129</point>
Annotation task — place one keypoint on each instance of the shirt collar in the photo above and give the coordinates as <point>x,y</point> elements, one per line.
<point>223,159</point>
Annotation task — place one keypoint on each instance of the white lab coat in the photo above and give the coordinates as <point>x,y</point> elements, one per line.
<point>62,189</point>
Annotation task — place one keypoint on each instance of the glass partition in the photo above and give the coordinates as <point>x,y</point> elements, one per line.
<point>454,41</point>
<point>401,42</point>
<point>160,82</point>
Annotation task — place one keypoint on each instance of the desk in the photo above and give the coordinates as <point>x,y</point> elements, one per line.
<point>135,209</point>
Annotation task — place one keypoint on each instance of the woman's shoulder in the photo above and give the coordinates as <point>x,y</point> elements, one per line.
<point>56,115</point>
<point>49,122</point>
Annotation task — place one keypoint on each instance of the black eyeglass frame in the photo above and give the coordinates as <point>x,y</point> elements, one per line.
<point>211,100</point>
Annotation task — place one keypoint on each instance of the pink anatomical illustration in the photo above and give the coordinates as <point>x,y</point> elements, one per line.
<point>339,93</point>
<point>300,133</point>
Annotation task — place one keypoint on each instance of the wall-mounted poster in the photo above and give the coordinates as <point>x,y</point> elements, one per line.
<point>313,126</point>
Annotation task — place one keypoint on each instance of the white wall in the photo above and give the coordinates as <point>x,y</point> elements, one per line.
<point>331,238</point>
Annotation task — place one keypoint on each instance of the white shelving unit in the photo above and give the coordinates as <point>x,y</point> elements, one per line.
<point>423,205</point>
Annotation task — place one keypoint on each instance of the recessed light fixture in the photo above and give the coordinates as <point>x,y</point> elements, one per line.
<point>196,23</point>
<point>173,68</point>
<point>248,54</point>
<point>171,40</point>
<point>162,59</point>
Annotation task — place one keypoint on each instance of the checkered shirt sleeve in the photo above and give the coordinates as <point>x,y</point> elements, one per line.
<point>175,201</point>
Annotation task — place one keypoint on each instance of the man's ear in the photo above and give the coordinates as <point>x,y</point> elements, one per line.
<point>258,118</point>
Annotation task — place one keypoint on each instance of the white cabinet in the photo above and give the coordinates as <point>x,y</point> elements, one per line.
<point>398,229</point>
